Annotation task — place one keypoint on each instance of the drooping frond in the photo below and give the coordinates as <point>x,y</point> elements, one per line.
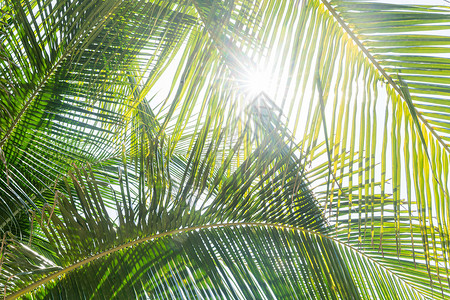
<point>134,143</point>
<point>70,97</point>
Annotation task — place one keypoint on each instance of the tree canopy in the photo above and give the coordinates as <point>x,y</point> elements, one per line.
<point>224,149</point>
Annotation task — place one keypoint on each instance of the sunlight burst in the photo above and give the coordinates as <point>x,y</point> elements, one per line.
<point>258,82</point>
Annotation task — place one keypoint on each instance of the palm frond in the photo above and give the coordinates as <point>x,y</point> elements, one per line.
<point>344,154</point>
<point>75,100</point>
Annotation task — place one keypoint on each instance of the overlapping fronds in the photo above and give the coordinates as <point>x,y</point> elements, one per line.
<point>331,181</point>
<point>154,196</point>
<point>70,97</point>
<point>411,43</point>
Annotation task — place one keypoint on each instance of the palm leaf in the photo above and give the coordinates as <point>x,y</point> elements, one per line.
<point>357,168</point>
<point>76,103</point>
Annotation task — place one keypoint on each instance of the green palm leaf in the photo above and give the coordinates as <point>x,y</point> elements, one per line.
<point>136,161</point>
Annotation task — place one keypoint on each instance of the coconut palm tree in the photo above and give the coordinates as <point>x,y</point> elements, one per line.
<point>224,149</point>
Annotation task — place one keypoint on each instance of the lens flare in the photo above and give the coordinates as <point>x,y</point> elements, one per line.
<point>258,82</point>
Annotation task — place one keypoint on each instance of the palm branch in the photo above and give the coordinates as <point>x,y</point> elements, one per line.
<point>332,183</point>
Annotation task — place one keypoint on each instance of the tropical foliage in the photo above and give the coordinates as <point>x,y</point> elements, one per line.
<point>139,161</point>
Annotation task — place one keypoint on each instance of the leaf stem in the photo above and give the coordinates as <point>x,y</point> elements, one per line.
<point>380,69</point>
<point>76,265</point>
<point>68,50</point>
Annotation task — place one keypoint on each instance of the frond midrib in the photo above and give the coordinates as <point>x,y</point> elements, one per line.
<point>86,261</point>
<point>34,94</point>
<point>375,63</point>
